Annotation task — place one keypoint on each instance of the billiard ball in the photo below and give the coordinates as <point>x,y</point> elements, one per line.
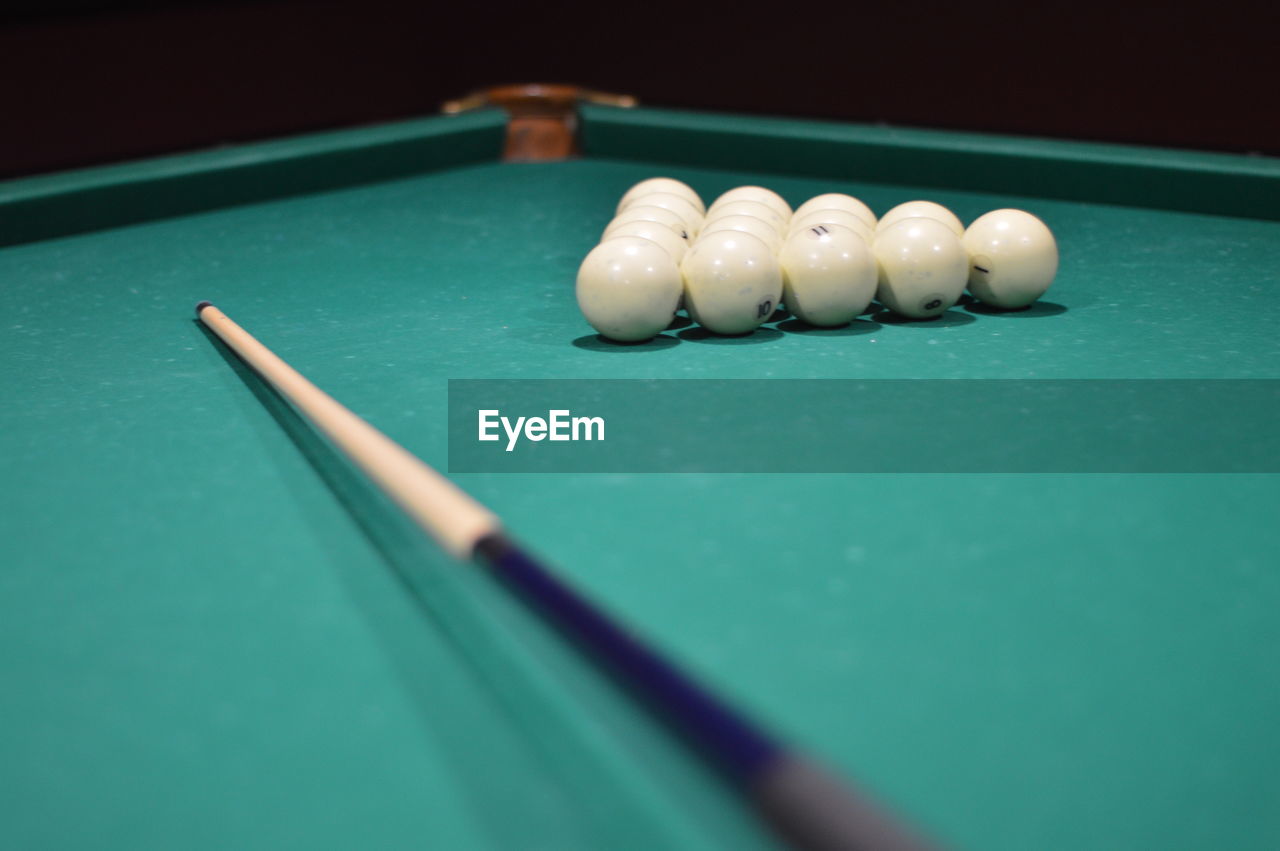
<point>680,206</point>
<point>922,267</point>
<point>628,288</point>
<point>1012,258</point>
<point>732,282</point>
<point>828,274</point>
<point>755,209</point>
<point>646,213</point>
<point>759,194</point>
<point>654,232</point>
<point>922,209</point>
<point>833,217</point>
<point>838,201</point>
<point>661,184</point>
<point>747,224</point>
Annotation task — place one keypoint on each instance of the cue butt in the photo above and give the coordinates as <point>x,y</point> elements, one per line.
<point>808,807</point>
<point>815,811</point>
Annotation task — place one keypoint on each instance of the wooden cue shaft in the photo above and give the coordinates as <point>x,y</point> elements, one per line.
<point>808,806</point>
<point>446,512</point>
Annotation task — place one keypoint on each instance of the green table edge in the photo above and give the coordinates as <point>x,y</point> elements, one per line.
<point>84,200</point>
<point>1190,181</point>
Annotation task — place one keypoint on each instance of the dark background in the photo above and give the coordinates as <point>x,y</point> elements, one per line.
<point>84,82</point>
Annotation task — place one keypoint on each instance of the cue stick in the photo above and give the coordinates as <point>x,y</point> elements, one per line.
<point>807,806</point>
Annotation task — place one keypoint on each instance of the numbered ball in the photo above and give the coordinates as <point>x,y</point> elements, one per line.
<point>661,184</point>
<point>759,194</point>
<point>628,288</point>
<point>654,232</point>
<point>732,282</point>
<point>838,201</point>
<point>833,217</point>
<point>646,213</point>
<point>922,267</point>
<point>922,210</point>
<point>755,209</point>
<point>828,274</point>
<point>746,224</point>
<point>1013,258</point>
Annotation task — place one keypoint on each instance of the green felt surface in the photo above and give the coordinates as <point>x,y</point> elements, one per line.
<point>213,635</point>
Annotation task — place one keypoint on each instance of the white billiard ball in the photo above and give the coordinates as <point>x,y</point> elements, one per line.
<point>756,209</point>
<point>833,217</point>
<point>628,288</point>
<point>828,274</point>
<point>838,201</point>
<point>759,194</point>
<point>925,210</point>
<point>732,282</point>
<point>922,267</point>
<point>646,213</point>
<point>1013,258</point>
<point>680,206</point>
<point>747,224</point>
<point>654,232</point>
<point>661,184</point>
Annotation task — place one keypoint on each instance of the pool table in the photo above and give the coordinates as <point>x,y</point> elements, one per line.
<point>214,634</point>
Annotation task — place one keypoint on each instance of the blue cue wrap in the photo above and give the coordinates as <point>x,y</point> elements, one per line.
<point>808,807</point>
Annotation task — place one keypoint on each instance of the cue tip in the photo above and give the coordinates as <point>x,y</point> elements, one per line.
<point>202,305</point>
